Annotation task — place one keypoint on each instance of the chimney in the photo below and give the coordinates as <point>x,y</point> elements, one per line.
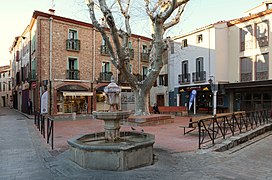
<point>52,11</point>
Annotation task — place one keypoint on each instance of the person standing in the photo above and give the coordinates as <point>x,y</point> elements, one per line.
<point>29,105</point>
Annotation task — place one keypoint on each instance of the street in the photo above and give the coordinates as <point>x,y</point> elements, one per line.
<point>25,155</point>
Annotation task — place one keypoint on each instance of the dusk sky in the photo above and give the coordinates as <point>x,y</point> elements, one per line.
<point>16,15</point>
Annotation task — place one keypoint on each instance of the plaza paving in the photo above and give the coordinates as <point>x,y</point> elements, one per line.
<point>24,154</point>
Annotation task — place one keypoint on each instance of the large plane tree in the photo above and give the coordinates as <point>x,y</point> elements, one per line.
<point>163,14</point>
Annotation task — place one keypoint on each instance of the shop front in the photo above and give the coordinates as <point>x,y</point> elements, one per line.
<point>204,98</point>
<point>73,101</point>
<point>250,96</point>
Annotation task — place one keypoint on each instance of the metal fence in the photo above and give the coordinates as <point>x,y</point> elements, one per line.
<point>45,128</point>
<point>229,124</point>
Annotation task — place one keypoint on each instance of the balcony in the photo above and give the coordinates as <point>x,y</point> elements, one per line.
<point>262,41</point>
<point>72,44</point>
<point>199,76</point>
<point>104,50</point>
<point>32,75</point>
<point>184,78</point>
<point>105,77</point>
<point>246,77</point>
<point>145,57</point>
<point>72,74</point>
<point>262,75</point>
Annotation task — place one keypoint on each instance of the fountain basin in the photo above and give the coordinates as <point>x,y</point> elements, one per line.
<point>132,150</point>
<point>114,115</point>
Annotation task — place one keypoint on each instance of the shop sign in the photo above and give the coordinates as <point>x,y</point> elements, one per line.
<point>34,85</point>
<point>192,97</point>
<point>44,103</point>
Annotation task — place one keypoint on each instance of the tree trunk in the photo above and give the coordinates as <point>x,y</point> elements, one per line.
<point>141,102</point>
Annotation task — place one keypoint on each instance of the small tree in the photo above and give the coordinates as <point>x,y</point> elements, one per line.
<point>163,14</point>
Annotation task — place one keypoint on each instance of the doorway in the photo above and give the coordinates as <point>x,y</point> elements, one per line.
<point>160,100</point>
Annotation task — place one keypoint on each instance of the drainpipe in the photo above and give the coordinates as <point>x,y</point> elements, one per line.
<point>50,63</point>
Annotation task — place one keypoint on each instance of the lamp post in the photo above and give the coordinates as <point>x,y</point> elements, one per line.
<point>214,91</point>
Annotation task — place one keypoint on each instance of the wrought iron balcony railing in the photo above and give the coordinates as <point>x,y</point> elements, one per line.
<point>105,77</point>
<point>145,57</point>
<point>199,76</point>
<point>72,74</point>
<point>104,50</point>
<point>73,44</point>
<point>184,78</point>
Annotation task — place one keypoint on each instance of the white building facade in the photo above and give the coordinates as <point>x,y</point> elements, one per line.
<point>227,63</point>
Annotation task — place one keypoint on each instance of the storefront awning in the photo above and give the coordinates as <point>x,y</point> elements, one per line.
<point>77,93</point>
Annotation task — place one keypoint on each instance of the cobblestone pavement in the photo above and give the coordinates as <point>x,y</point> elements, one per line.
<point>24,155</point>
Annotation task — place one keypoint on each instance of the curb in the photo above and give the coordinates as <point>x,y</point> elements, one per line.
<point>242,138</point>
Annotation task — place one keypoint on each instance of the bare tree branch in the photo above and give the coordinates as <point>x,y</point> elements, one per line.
<point>149,13</point>
<point>102,31</point>
<point>176,19</point>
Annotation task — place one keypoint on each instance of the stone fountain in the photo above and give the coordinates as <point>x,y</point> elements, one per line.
<point>112,149</point>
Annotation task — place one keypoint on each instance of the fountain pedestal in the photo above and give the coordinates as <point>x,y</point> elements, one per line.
<point>112,149</point>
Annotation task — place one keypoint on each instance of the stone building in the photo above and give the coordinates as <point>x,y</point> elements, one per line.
<point>5,86</point>
<point>68,59</point>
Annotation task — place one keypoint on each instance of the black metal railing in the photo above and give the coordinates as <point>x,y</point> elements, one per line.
<point>72,74</point>
<point>104,50</point>
<point>262,41</point>
<point>213,128</point>
<point>105,77</point>
<point>39,121</point>
<point>145,57</point>
<point>184,78</point>
<point>73,44</point>
<point>199,76</point>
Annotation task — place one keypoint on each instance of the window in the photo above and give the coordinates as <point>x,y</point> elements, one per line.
<point>130,45</point>
<point>163,80</point>
<point>4,87</point>
<point>0,86</point>
<point>144,48</point>
<point>72,42</point>
<point>246,69</point>
<point>72,69</point>
<point>4,75</point>
<point>184,68</point>
<point>144,71</point>
<point>262,33</point>
<point>72,34</point>
<point>9,85</point>
<point>199,38</point>
<point>199,64</point>
<point>105,67</point>
<point>200,74</point>
<point>246,38</point>
<point>184,43</point>
<point>261,65</point>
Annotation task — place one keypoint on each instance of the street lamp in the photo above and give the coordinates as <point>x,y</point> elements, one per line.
<point>214,91</point>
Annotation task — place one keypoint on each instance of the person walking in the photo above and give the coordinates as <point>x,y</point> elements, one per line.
<point>29,105</point>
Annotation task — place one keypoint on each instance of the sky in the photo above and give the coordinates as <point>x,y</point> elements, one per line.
<point>15,15</point>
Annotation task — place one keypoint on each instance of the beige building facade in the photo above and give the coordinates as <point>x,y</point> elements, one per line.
<point>69,60</point>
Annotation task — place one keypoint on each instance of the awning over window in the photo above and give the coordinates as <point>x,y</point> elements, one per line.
<point>77,93</point>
